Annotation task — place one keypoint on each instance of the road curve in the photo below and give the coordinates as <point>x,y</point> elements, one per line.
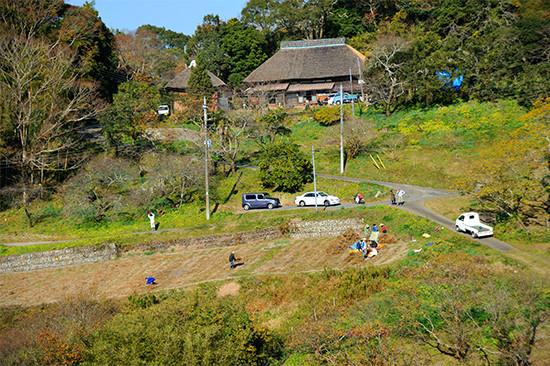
<point>414,203</point>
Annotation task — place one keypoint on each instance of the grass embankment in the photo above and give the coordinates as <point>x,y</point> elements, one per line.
<point>188,221</point>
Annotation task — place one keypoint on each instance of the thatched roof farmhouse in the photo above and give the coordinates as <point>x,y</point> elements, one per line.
<point>306,71</point>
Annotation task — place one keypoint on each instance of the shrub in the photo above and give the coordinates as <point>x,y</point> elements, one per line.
<point>327,116</point>
<point>197,329</point>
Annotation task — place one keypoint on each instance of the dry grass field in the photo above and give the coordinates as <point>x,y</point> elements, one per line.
<point>179,268</point>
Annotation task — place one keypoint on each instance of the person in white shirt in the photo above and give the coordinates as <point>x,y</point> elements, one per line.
<point>151,217</point>
<point>400,193</point>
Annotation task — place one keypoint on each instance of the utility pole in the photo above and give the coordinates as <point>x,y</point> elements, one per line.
<point>341,131</point>
<point>352,104</point>
<point>314,179</point>
<point>206,143</point>
<point>360,79</point>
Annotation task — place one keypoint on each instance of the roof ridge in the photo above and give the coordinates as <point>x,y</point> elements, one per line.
<point>304,43</point>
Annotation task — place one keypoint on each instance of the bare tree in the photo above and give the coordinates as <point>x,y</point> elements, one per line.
<point>231,134</point>
<point>43,102</point>
<point>357,135</point>
<point>168,176</point>
<point>102,187</point>
<point>384,81</point>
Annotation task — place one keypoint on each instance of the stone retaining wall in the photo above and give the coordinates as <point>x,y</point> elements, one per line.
<point>211,241</point>
<point>57,258</point>
<point>98,253</point>
<point>325,228</point>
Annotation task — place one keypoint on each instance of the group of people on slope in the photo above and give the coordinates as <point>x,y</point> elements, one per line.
<point>370,247</point>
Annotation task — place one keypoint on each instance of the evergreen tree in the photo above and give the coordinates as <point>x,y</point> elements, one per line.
<point>200,84</point>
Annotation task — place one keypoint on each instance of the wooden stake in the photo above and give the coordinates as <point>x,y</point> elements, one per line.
<point>380,161</point>
<point>374,161</point>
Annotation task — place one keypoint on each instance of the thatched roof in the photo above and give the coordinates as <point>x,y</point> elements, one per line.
<point>322,59</point>
<point>179,83</point>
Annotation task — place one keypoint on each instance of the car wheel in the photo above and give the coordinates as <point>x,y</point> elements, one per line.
<point>246,207</point>
<point>327,203</point>
<point>457,229</point>
<point>302,203</point>
<point>474,235</point>
<point>337,102</point>
<point>270,206</point>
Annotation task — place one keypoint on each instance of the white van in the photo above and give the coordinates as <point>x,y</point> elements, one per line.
<point>163,110</point>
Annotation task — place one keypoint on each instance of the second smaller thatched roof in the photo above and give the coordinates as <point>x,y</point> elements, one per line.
<point>179,83</point>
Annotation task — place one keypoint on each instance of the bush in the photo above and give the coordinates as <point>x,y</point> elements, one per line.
<point>192,329</point>
<point>327,116</point>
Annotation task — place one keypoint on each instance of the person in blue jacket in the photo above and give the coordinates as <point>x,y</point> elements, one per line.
<point>232,260</point>
<point>150,281</point>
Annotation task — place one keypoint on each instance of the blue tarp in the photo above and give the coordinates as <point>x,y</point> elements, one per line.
<point>446,76</point>
<point>358,245</point>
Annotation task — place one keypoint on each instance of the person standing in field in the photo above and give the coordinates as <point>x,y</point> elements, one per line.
<point>366,229</point>
<point>392,195</point>
<point>232,260</point>
<point>151,217</point>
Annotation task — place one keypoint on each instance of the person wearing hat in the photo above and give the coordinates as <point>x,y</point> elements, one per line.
<point>232,260</point>
<point>383,228</point>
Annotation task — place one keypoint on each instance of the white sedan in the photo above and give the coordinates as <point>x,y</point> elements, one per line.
<point>308,199</point>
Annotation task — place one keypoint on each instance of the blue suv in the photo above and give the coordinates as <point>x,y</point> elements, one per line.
<point>259,200</point>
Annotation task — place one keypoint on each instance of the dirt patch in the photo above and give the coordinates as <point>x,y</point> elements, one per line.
<point>340,245</point>
<point>354,258</point>
<point>342,242</point>
<point>384,239</point>
<point>229,289</point>
<point>185,268</point>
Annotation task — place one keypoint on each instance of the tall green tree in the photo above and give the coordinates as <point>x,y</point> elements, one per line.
<point>82,30</point>
<point>245,48</point>
<point>199,84</point>
<point>167,37</point>
<point>133,108</point>
<point>283,167</point>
